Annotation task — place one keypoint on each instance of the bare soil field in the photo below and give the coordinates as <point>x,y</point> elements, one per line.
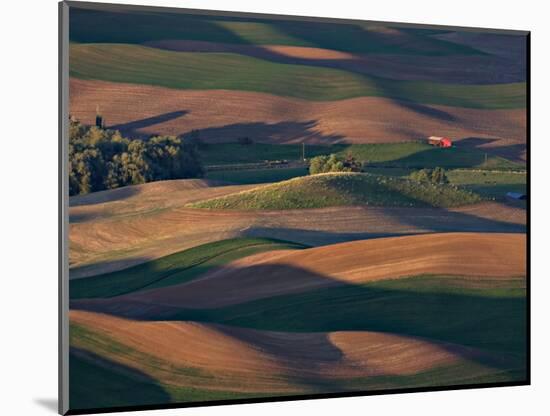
<point>224,116</point>
<point>108,236</point>
<point>283,272</point>
<point>155,188</point>
<point>101,246</point>
<point>146,198</point>
<point>482,69</point>
<point>235,359</point>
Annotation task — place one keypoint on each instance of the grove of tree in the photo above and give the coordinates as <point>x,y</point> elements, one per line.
<point>103,159</point>
<point>334,163</point>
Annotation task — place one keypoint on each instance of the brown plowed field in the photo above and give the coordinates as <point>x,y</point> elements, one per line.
<point>157,189</point>
<point>224,116</point>
<point>147,198</point>
<point>277,273</point>
<point>99,246</point>
<point>235,359</point>
<point>482,69</point>
<point>148,222</point>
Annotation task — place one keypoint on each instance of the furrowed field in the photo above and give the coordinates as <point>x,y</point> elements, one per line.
<point>187,70</point>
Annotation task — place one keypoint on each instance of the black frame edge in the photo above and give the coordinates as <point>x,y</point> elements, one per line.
<point>63,200</point>
<point>293,398</point>
<point>528,205</point>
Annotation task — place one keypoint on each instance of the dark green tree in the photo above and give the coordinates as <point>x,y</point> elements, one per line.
<point>104,159</point>
<point>333,163</point>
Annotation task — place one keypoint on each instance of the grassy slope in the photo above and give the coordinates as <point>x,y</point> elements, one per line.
<point>420,155</point>
<point>406,154</point>
<point>173,269</point>
<point>393,159</point>
<point>97,385</point>
<point>118,385</point>
<point>100,380</point>
<point>190,70</point>
<point>137,27</point>
<point>489,316</point>
<point>487,183</point>
<point>341,189</point>
<point>483,313</point>
<point>246,177</point>
<point>490,184</point>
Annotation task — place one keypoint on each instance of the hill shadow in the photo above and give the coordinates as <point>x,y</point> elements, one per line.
<point>97,382</point>
<point>121,26</point>
<point>403,221</point>
<point>304,355</point>
<point>82,217</point>
<point>309,355</point>
<point>483,69</point>
<point>465,153</point>
<point>470,320</point>
<point>105,267</point>
<point>281,132</point>
<point>494,325</point>
<point>355,38</point>
<point>440,225</point>
<point>444,220</point>
<point>428,111</point>
<point>132,128</point>
<point>316,237</point>
<point>515,152</point>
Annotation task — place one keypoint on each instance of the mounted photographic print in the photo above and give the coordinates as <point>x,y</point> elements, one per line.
<point>263,208</point>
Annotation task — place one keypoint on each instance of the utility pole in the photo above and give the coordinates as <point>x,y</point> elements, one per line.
<point>485,159</point>
<point>303,151</point>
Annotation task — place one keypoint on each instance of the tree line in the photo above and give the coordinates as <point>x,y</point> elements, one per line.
<point>338,163</point>
<point>103,159</point>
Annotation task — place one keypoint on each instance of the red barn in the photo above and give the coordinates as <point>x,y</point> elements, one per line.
<point>440,141</point>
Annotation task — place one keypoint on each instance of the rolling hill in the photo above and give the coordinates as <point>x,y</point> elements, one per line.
<point>226,71</point>
<point>342,189</point>
<point>218,358</point>
<point>116,229</point>
<point>482,69</point>
<point>319,320</point>
<point>175,268</point>
<point>138,27</point>
<point>145,199</point>
<point>272,119</point>
<point>280,272</point>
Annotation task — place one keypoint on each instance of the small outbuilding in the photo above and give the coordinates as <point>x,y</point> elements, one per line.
<point>440,141</point>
